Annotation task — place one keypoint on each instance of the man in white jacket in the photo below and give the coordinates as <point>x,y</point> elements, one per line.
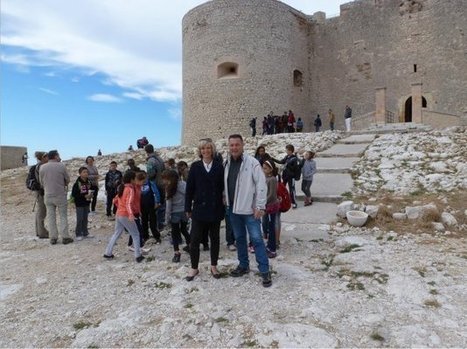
<point>245,197</point>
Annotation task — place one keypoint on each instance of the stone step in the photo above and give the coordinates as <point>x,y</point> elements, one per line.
<point>327,187</point>
<point>335,165</point>
<point>358,139</point>
<point>406,127</point>
<point>344,150</point>
<point>318,213</point>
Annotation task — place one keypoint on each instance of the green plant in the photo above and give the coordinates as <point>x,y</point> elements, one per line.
<point>432,303</point>
<point>221,319</point>
<point>377,337</point>
<point>81,324</point>
<point>130,282</point>
<point>162,285</point>
<point>434,292</point>
<point>349,248</point>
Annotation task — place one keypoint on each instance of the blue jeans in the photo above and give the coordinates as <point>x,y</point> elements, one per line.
<point>229,236</point>
<point>240,224</point>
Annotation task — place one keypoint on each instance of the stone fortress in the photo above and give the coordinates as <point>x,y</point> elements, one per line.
<point>390,60</point>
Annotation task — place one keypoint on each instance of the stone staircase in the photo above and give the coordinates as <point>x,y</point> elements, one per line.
<point>333,176</point>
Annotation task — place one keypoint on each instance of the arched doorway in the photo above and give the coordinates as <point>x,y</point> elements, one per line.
<point>408,108</point>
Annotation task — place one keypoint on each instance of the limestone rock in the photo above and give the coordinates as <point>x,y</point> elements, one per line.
<point>415,212</point>
<point>372,210</point>
<point>438,226</point>
<point>344,207</point>
<point>448,219</point>
<point>398,216</point>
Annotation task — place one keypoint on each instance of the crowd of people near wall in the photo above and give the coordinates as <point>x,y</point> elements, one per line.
<point>190,200</point>
<point>288,123</point>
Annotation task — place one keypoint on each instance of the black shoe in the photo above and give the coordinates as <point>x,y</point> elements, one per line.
<point>67,241</point>
<point>191,277</point>
<point>109,257</point>
<point>186,248</point>
<point>158,241</point>
<point>294,205</point>
<point>267,282</point>
<point>176,258</point>
<point>43,237</point>
<point>206,247</point>
<point>239,271</point>
<point>140,259</point>
<point>53,241</point>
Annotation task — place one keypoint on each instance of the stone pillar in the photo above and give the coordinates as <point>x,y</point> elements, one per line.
<point>380,99</point>
<point>417,102</point>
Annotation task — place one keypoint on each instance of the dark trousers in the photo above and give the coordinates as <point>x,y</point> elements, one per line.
<point>160,212</point>
<point>229,235</point>
<point>149,221</point>
<point>140,231</point>
<point>253,131</point>
<point>197,231</point>
<point>179,229</point>
<point>290,182</point>
<point>82,221</point>
<point>331,125</point>
<point>110,197</point>
<point>94,197</point>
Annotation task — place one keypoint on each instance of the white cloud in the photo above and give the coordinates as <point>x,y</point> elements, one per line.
<point>133,95</point>
<point>46,90</point>
<point>135,44</point>
<point>103,97</point>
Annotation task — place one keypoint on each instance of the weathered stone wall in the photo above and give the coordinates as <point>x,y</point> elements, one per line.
<point>268,40</point>
<point>11,157</point>
<point>373,43</point>
<point>377,43</point>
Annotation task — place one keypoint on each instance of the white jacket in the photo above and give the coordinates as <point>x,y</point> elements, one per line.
<point>250,189</point>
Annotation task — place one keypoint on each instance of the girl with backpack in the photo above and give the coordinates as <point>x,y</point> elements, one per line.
<point>82,195</point>
<point>175,210</point>
<point>125,216</point>
<point>308,170</point>
<point>272,207</point>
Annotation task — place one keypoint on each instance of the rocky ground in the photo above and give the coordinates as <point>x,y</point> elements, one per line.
<point>333,286</point>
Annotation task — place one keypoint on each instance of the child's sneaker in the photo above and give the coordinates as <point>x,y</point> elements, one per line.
<point>131,248</point>
<point>251,249</point>
<point>139,259</point>
<point>79,238</point>
<point>271,254</point>
<point>176,258</point>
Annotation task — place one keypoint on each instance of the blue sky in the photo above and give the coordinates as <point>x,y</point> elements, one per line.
<point>79,76</point>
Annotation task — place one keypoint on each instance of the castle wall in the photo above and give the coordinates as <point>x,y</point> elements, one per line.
<point>268,40</point>
<point>12,157</point>
<point>376,43</point>
<point>372,44</point>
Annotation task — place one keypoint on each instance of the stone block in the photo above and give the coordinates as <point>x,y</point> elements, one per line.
<point>344,207</point>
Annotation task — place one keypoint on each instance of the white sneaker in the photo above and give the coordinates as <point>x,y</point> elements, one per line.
<point>89,236</point>
<point>131,248</point>
<point>79,238</point>
<point>231,248</point>
<point>92,213</point>
<point>146,250</point>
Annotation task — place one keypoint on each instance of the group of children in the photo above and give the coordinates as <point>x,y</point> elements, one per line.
<point>135,200</point>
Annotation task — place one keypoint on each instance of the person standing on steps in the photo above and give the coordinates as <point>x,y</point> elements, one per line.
<point>318,123</point>
<point>308,170</point>
<point>253,127</point>
<point>245,196</point>
<point>55,179</point>
<point>332,119</point>
<point>348,118</point>
<point>291,163</point>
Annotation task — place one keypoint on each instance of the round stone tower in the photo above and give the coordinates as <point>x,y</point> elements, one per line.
<point>242,59</point>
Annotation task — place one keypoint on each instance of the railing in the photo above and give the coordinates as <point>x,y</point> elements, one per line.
<point>389,117</point>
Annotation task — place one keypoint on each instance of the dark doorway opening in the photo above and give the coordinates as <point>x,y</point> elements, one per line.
<point>408,108</point>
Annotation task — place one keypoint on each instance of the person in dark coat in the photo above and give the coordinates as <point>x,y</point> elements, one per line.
<point>204,204</point>
<point>318,123</point>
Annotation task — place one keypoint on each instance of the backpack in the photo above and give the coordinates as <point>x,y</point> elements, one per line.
<point>284,197</point>
<point>294,167</point>
<point>31,181</point>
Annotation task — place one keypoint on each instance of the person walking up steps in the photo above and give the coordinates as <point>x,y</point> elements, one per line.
<point>308,170</point>
<point>245,195</point>
<point>348,118</point>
